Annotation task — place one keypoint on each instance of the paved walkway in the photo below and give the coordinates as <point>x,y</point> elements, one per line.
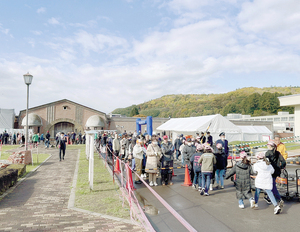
<point>40,202</point>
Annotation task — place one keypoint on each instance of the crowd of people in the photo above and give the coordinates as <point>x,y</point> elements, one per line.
<point>12,138</point>
<point>205,160</point>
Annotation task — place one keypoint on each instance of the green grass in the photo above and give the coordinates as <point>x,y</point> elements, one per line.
<point>105,196</point>
<point>289,146</point>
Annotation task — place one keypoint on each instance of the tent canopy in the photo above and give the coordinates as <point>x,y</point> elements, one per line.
<point>255,133</point>
<point>214,123</point>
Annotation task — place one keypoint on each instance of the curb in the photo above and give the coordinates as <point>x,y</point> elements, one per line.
<point>22,179</point>
<point>71,203</point>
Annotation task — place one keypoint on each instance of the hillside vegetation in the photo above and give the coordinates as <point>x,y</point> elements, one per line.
<point>251,100</point>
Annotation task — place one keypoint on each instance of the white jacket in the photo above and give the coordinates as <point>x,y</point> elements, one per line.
<point>264,178</point>
<point>138,151</point>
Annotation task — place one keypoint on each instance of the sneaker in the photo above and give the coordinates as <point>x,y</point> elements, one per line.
<point>255,206</point>
<point>155,184</point>
<point>202,192</point>
<point>252,204</point>
<point>206,194</point>
<point>199,189</point>
<point>163,183</point>
<point>242,206</point>
<point>211,187</point>
<point>151,184</point>
<point>277,210</point>
<point>281,202</point>
<point>222,187</point>
<point>171,183</point>
<point>267,199</point>
<point>138,182</point>
<point>194,186</point>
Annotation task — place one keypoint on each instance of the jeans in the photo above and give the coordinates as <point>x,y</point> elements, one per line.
<point>275,191</point>
<point>47,142</point>
<point>206,176</point>
<point>270,195</point>
<point>177,154</point>
<point>241,202</point>
<point>198,178</point>
<point>63,150</point>
<point>220,176</point>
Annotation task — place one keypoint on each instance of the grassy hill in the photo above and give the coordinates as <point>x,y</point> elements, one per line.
<point>251,100</point>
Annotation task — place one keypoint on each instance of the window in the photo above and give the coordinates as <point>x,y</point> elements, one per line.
<point>284,119</point>
<point>263,119</point>
<point>291,119</point>
<point>270,119</point>
<point>276,119</point>
<point>65,107</point>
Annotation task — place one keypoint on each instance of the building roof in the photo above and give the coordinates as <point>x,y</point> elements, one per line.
<point>62,101</point>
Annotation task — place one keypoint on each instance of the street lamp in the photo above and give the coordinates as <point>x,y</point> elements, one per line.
<point>27,80</point>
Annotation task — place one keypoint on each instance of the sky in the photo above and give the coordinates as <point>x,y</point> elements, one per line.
<point>108,54</point>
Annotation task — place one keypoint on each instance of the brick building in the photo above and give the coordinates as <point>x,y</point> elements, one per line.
<point>67,116</point>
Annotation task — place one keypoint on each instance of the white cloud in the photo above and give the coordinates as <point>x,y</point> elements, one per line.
<point>53,21</point>
<point>41,10</point>
<point>5,31</point>
<point>37,32</point>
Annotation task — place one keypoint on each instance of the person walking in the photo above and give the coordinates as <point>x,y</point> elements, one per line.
<point>220,166</point>
<point>188,151</point>
<point>177,145</point>
<point>197,168</point>
<point>153,156</point>
<point>264,180</point>
<point>243,171</point>
<point>61,143</point>
<point>207,160</point>
<point>278,162</point>
<point>47,140</point>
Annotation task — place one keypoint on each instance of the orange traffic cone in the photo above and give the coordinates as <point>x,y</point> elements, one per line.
<point>173,173</point>
<point>187,179</point>
<point>117,167</point>
<point>129,183</point>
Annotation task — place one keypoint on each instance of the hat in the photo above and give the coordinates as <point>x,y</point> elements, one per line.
<point>222,134</point>
<point>199,147</point>
<point>208,147</point>
<point>189,140</point>
<point>243,154</point>
<point>219,146</point>
<point>260,155</point>
<point>165,137</point>
<point>271,143</point>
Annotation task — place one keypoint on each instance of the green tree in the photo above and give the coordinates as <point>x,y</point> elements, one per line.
<point>134,111</point>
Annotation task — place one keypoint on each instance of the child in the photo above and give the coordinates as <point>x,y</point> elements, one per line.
<point>220,166</point>
<point>197,168</point>
<point>208,160</point>
<point>243,170</point>
<point>264,180</point>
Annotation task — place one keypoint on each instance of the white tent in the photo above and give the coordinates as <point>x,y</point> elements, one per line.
<point>255,133</point>
<point>7,118</point>
<point>190,126</point>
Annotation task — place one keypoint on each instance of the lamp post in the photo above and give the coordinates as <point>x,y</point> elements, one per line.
<point>27,80</point>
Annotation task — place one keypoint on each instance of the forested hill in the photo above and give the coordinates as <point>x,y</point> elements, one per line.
<point>251,100</point>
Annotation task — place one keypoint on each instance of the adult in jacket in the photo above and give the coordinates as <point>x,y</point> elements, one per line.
<point>153,155</point>
<point>61,143</point>
<point>177,145</point>
<point>220,165</point>
<point>167,150</point>
<point>278,163</point>
<point>47,141</point>
<point>188,151</point>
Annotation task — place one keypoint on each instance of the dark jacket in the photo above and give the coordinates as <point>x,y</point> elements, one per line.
<point>48,136</point>
<point>61,142</point>
<point>177,143</point>
<point>167,150</point>
<point>243,180</point>
<point>188,152</point>
<point>221,160</point>
<point>202,139</point>
<point>277,161</point>
<point>224,145</point>
<point>210,140</point>
<point>194,159</point>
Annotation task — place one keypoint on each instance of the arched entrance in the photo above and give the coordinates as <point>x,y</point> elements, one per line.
<point>63,127</point>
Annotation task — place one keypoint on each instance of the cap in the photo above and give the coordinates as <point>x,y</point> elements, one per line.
<point>165,137</point>
<point>271,143</point>
<point>222,134</point>
<point>243,154</point>
<point>260,155</point>
<point>199,147</point>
